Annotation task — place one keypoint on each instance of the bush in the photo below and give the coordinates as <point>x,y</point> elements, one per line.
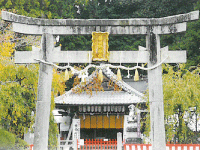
<point>7,139</point>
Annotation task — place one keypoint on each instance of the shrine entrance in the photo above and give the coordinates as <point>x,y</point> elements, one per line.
<point>100,133</point>
<point>152,54</point>
<point>102,114</point>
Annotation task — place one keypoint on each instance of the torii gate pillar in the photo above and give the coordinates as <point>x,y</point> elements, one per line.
<point>156,93</point>
<point>44,95</point>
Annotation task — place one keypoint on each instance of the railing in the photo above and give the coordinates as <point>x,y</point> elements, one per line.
<point>168,147</point>
<point>31,147</point>
<point>66,144</point>
<point>98,144</point>
<point>112,145</point>
<point>63,145</point>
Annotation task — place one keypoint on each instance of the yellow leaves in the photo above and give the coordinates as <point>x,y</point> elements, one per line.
<point>58,83</point>
<point>18,87</point>
<point>7,49</point>
<point>1,67</point>
<point>76,81</point>
<point>15,122</point>
<point>6,46</point>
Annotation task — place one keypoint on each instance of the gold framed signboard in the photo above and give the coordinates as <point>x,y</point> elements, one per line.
<point>100,46</point>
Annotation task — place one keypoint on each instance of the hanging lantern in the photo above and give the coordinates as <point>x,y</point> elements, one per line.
<point>119,77</point>
<point>66,75</point>
<point>136,77</point>
<point>100,76</point>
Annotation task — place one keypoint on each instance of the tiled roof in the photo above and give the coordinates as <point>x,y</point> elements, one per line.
<point>128,95</point>
<point>99,98</point>
<point>109,74</point>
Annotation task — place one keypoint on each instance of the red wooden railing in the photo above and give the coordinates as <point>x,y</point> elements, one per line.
<point>112,145</point>
<point>137,146</point>
<point>168,147</point>
<point>98,144</point>
<point>31,147</point>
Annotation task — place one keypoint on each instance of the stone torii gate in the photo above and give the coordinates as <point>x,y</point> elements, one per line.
<point>153,55</point>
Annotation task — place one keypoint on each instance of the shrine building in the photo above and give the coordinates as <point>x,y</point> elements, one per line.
<point>101,113</point>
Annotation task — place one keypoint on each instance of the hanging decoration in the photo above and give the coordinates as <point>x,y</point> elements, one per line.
<point>136,77</point>
<point>99,53</point>
<point>143,65</point>
<point>119,76</point>
<point>84,71</point>
<point>100,75</point>
<point>66,75</point>
<point>96,84</point>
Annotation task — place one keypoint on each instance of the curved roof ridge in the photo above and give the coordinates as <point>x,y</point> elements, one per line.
<point>108,73</point>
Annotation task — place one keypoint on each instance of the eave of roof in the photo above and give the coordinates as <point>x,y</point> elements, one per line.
<point>128,96</point>
<point>98,98</point>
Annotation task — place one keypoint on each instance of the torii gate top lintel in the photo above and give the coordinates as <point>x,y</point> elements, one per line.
<point>165,25</point>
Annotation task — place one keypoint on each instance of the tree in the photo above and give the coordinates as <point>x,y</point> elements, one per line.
<point>18,84</point>
<point>181,88</point>
<point>17,94</point>
<point>181,93</point>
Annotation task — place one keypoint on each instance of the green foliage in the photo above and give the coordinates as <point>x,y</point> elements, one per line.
<point>21,143</point>
<point>181,88</point>
<point>18,89</point>
<point>181,92</point>
<point>53,132</point>
<point>116,9</point>
<point>7,139</point>
<point>76,42</point>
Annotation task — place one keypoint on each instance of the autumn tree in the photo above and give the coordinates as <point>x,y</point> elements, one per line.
<point>18,84</point>
<point>17,87</point>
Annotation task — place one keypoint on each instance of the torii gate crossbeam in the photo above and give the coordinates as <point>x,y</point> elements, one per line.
<point>152,28</point>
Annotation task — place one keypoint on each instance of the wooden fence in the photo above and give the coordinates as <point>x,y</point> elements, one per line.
<point>112,145</point>
<point>168,147</point>
<point>98,144</point>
